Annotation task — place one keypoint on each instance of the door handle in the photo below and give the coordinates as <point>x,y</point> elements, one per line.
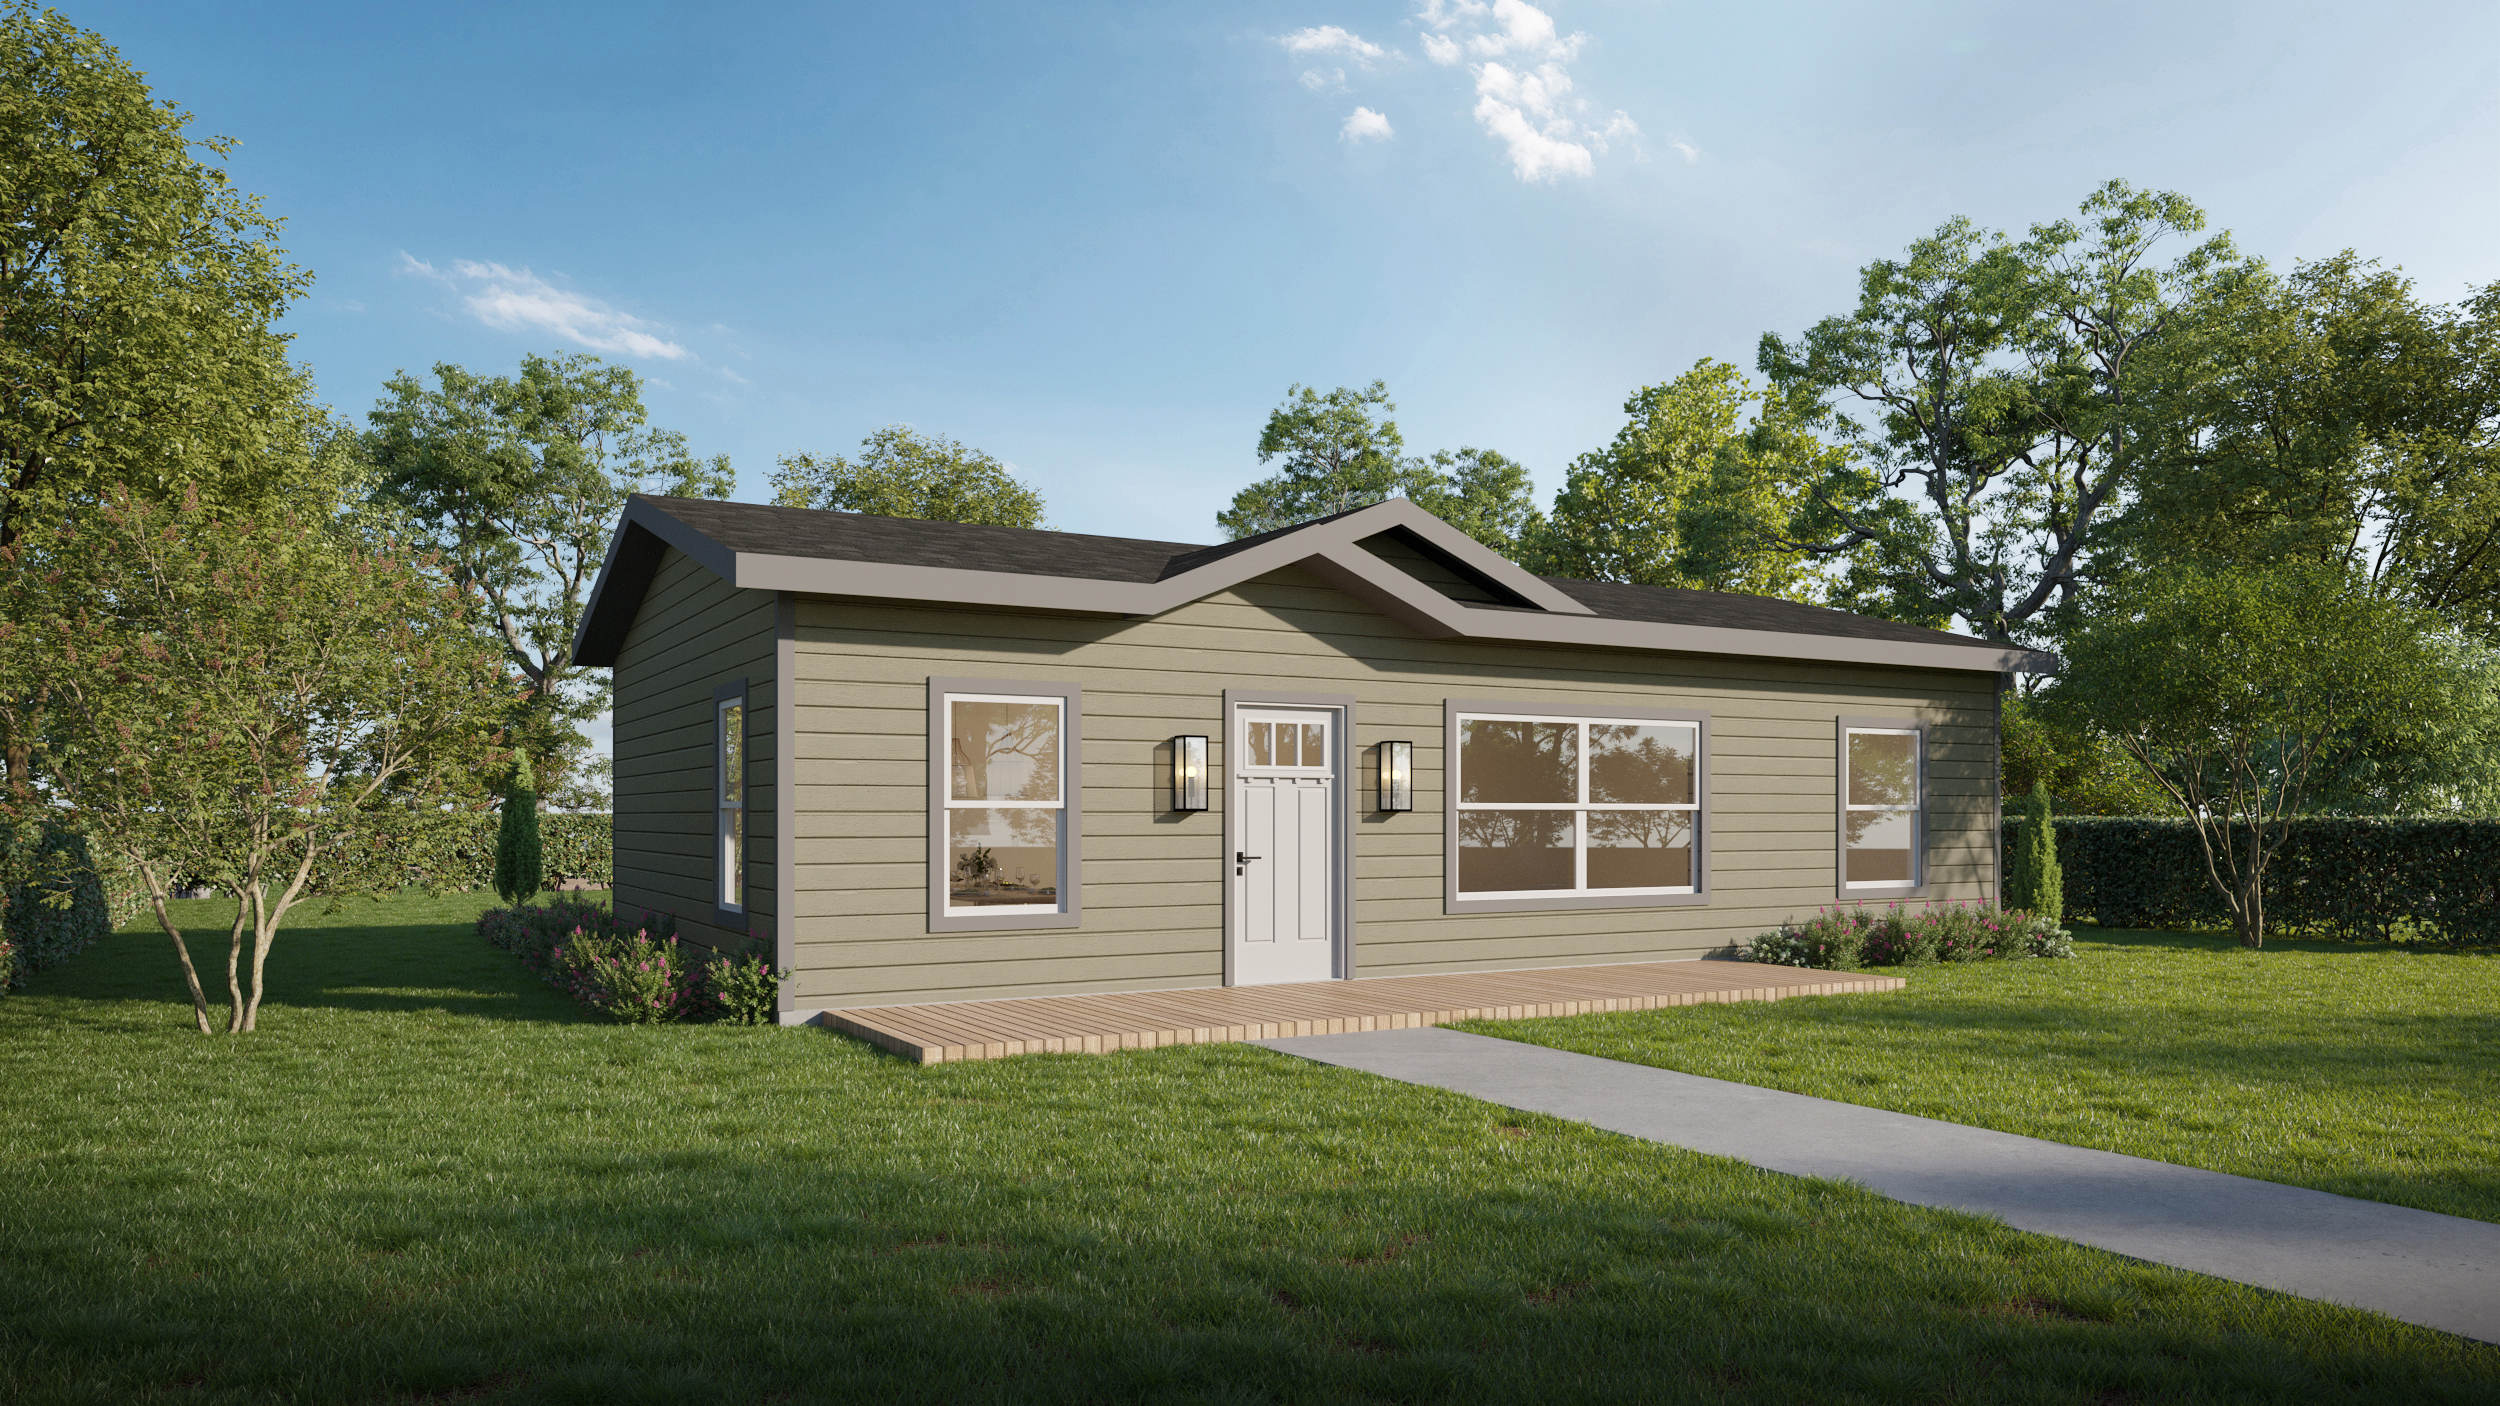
<point>1241,863</point>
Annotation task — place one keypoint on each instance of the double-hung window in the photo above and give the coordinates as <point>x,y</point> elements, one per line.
<point>729,757</point>
<point>1003,818</point>
<point>1562,807</point>
<point>1881,806</point>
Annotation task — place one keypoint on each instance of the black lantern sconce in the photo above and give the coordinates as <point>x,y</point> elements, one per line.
<point>1189,773</point>
<point>1397,776</point>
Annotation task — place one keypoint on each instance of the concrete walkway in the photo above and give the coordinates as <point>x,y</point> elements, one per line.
<point>2439,1271</point>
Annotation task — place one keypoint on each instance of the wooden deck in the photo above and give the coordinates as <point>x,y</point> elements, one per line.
<point>1140,1020</point>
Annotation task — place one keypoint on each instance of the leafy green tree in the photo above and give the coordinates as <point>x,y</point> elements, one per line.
<point>256,703</point>
<point>1340,452</point>
<point>903,473</point>
<point>2086,771</point>
<point>139,294</point>
<point>517,481</point>
<point>1689,495</point>
<point>1991,393</point>
<point>2243,693</point>
<point>2330,416</point>
<point>520,863</point>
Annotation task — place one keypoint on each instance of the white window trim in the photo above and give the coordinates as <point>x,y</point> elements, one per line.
<point>1917,887</point>
<point>1455,710</point>
<point>1068,910</point>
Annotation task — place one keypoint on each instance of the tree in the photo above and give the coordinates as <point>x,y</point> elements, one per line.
<point>1341,452</point>
<point>520,864</point>
<point>2085,770</point>
<point>2037,885</point>
<point>258,703</point>
<point>2331,416</point>
<point>516,481</point>
<point>2240,692</point>
<point>1990,393</point>
<point>139,294</point>
<point>903,473</point>
<point>1688,495</point>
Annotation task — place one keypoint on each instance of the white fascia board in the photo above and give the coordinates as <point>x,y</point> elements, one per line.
<point>1767,644</point>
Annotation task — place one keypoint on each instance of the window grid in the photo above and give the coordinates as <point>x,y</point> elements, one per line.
<point>1580,808</point>
<point>1056,802</point>
<point>1913,811</point>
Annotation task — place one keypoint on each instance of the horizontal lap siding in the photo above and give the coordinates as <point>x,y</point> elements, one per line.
<point>695,632</point>
<point>1154,882</point>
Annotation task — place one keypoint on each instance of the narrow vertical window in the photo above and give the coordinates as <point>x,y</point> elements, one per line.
<point>1880,820</point>
<point>1006,813</point>
<point>730,750</point>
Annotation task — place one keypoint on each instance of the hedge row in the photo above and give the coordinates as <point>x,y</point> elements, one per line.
<point>463,857</point>
<point>2406,880</point>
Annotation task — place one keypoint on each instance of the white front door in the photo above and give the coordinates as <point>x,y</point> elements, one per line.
<point>1284,867</point>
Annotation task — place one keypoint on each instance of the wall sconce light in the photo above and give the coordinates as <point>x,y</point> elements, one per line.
<point>1397,776</point>
<point>1189,773</point>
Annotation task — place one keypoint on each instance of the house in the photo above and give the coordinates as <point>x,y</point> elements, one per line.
<point>923,761</point>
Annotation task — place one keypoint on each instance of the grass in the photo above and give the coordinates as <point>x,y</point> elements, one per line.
<point>2366,1071</point>
<point>429,1178</point>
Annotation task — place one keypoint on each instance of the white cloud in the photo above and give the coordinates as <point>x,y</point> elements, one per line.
<point>1365,125</point>
<point>502,296</point>
<point>1317,81</point>
<point>1524,97</point>
<point>1329,39</point>
<point>1687,150</point>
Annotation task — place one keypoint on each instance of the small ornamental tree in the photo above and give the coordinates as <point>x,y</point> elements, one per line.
<point>2037,885</point>
<point>2240,693</point>
<point>520,865</point>
<point>267,706</point>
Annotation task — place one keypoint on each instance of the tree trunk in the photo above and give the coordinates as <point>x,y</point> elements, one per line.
<point>234,955</point>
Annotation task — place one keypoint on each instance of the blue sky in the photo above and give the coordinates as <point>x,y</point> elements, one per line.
<point>1100,241</point>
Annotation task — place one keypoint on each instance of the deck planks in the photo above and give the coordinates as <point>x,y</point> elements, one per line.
<point>947,1032</point>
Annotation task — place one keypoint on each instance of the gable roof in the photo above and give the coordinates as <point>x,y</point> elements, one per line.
<point>855,554</point>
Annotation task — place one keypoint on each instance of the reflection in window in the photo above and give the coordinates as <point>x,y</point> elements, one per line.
<point>1562,805</point>
<point>1005,813</point>
<point>1273,744</point>
<point>730,805</point>
<point>1879,808</point>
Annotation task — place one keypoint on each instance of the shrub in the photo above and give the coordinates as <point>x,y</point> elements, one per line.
<point>748,990</point>
<point>56,903</point>
<point>2034,882</point>
<point>8,964</point>
<point>1843,938</point>
<point>520,863</point>
<point>2336,876</point>
<point>636,979</point>
<point>1830,940</point>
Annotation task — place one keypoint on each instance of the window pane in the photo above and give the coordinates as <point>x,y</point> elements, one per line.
<point>1501,851</point>
<point>1516,763</point>
<point>1644,764</point>
<point>1878,847</point>
<point>1288,745</point>
<point>1883,769</point>
<point>1314,744</point>
<point>733,858</point>
<point>733,754</point>
<point>1005,751</point>
<point>1640,849</point>
<point>1008,857</point>
<point>1262,744</point>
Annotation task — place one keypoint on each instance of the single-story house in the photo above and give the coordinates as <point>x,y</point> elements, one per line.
<point>925,761</point>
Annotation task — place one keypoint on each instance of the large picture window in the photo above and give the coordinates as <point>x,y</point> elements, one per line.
<point>729,757</point>
<point>1880,806</point>
<point>1552,806</point>
<point>1003,817</point>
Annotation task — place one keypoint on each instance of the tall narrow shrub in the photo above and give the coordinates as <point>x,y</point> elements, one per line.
<point>520,865</point>
<point>2037,885</point>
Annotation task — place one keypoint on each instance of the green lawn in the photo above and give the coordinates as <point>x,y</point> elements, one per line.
<point>2368,1071</point>
<point>428,1178</point>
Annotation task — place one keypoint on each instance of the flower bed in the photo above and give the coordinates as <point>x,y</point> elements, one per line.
<point>1847,938</point>
<point>641,977</point>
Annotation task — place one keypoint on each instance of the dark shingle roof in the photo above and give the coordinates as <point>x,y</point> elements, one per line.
<point>861,537</point>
